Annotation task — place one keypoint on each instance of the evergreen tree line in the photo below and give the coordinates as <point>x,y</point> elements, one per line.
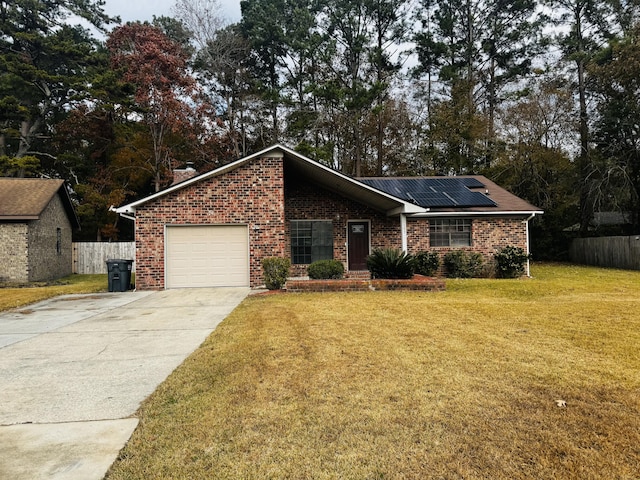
<point>542,97</point>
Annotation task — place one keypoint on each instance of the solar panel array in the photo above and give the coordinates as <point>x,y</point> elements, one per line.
<point>434,192</point>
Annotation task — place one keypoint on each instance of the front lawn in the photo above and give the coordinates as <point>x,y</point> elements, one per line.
<point>18,296</point>
<point>409,385</point>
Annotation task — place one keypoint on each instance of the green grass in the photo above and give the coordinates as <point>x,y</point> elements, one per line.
<point>391,385</point>
<point>14,297</point>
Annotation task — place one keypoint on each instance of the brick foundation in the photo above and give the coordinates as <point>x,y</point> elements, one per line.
<point>354,285</point>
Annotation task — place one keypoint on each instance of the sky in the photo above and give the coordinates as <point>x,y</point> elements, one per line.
<point>132,10</point>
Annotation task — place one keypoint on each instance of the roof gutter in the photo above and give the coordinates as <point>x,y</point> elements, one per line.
<point>123,212</point>
<point>477,214</point>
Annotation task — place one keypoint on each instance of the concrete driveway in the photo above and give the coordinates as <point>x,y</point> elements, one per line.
<point>74,370</point>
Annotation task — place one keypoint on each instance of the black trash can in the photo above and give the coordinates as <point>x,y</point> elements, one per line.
<point>119,274</point>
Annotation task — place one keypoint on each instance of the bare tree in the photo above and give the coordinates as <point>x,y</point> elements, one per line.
<point>220,62</point>
<point>202,18</point>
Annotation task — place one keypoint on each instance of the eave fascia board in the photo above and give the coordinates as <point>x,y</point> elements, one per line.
<point>506,213</point>
<point>407,209</point>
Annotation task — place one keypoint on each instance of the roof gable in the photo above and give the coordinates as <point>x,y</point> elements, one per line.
<point>26,198</point>
<point>332,180</point>
<point>421,196</point>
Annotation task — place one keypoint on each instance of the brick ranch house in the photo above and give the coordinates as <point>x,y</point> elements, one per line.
<point>214,229</point>
<point>37,220</point>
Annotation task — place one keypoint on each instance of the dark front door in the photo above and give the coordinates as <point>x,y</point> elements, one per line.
<point>358,240</point>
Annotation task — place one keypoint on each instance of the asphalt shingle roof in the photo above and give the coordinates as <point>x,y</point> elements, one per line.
<point>26,198</point>
<point>463,193</point>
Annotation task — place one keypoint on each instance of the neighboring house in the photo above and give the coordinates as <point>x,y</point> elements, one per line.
<point>214,229</point>
<point>36,223</point>
<point>618,222</point>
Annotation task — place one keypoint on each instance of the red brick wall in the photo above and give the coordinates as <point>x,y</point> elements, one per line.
<point>251,194</point>
<point>259,194</point>
<point>487,235</point>
<point>305,201</point>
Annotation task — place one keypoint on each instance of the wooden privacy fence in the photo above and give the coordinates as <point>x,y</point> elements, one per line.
<point>612,252</point>
<point>91,257</point>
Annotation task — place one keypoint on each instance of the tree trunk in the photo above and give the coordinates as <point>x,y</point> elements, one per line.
<point>489,156</point>
<point>583,158</point>
<point>28,130</point>
<point>357,145</point>
<point>379,143</point>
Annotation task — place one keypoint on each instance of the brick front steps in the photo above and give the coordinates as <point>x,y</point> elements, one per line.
<point>354,285</point>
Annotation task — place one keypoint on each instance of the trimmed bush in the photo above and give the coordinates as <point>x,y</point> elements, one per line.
<point>510,262</point>
<point>275,271</point>
<point>426,263</point>
<point>463,264</point>
<point>390,263</point>
<point>325,270</point>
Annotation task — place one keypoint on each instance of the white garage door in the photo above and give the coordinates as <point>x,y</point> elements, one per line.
<point>207,256</point>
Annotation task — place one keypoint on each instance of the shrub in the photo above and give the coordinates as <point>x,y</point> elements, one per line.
<point>510,262</point>
<point>390,263</point>
<point>463,264</point>
<point>275,271</point>
<point>325,269</point>
<point>426,263</point>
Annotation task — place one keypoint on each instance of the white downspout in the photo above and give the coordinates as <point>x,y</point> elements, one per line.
<point>403,232</point>
<point>526,222</point>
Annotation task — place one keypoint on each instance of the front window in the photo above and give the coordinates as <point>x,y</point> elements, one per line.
<point>311,240</point>
<point>450,232</point>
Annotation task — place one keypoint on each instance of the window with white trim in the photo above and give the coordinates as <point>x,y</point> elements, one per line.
<point>311,240</point>
<point>450,232</point>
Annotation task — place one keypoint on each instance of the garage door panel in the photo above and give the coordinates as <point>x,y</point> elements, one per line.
<point>207,256</point>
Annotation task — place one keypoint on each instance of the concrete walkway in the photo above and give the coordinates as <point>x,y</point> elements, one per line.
<point>74,370</point>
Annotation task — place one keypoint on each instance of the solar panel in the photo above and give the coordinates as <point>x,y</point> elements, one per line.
<point>434,200</point>
<point>472,182</point>
<point>434,192</point>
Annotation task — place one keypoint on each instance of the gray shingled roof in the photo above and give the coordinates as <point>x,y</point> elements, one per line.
<point>23,199</point>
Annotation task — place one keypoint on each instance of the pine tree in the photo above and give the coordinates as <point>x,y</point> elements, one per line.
<point>46,69</point>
